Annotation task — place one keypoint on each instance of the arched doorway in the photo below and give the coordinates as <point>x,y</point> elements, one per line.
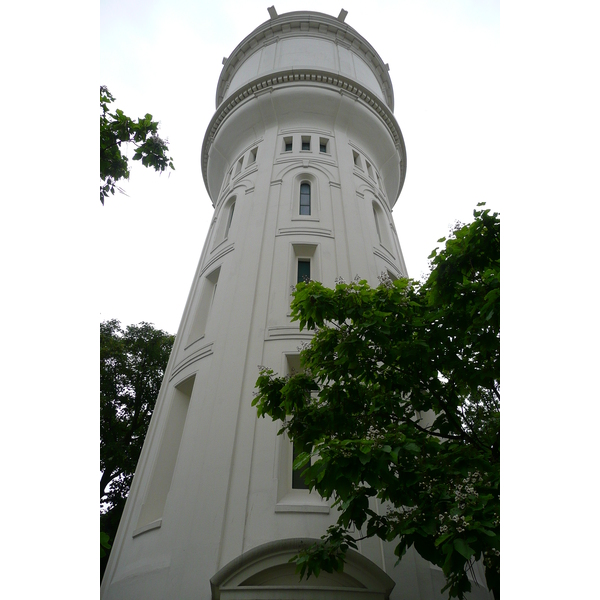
<point>265,573</point>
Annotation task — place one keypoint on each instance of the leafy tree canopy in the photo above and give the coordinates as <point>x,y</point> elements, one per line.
<point>132,365</point>
<point>399,400</point>
<point>117,129</point>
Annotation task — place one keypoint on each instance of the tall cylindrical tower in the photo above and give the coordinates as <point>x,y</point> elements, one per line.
<point>303,161</point>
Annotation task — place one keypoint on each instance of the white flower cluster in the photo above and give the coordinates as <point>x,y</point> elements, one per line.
<point>385,279</point>
<point>468,485</point>
<point>401,514</point>
<point>458,521</point>
<point>488,561</point>
<point>425,484</point>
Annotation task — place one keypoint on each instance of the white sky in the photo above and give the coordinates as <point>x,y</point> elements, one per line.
<point>165,57</point>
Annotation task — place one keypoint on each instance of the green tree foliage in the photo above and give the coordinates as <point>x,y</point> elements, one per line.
<point>132,366</point>
<point>399,400</point>
<point>117,129</point>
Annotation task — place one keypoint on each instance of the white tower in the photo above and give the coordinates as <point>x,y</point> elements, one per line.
<point>303,161</point>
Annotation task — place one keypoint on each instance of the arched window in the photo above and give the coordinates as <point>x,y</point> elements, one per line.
<point>229,219</point>
<point>377,223</point>
<point>305,198</point>
<point>381,226</point>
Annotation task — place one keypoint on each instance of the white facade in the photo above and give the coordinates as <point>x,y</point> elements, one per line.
<point>303,161</point>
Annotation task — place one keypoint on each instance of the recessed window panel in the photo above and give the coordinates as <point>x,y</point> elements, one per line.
<point>238,167</point>
<point>298,474</point>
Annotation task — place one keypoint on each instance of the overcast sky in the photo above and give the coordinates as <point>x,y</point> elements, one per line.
<point>165,57</point>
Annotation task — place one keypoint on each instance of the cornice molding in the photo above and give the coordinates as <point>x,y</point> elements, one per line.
<point>325,79</point>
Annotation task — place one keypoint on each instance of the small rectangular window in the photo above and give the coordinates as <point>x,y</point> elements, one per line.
<point>370,170</point>
<point>378,180</point>
<point>356,158</point>
<point>287,144</point>
<point>305,142</point>
<point>323,145</point>
<point>303,270</point>
<point>252,157</point>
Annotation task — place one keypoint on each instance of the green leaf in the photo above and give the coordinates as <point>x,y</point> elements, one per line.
<point>443,538</point>
<point>463,548</point>
<point>412,448</point>
<point>301,460</point>
<point>104,537</point>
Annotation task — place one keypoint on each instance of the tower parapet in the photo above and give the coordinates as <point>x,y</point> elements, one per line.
<point>306,40</point>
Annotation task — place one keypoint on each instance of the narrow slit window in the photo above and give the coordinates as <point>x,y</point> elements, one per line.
<point>229,219</point>
<point>378,180</point>
<point>303,270</point>
<point>356,158</point>
<point>287,144</point>
<point>370,170</point>
<point>323,145</point>
<point>376,217</point>
<point>305,142</point>
<point>305,198</point>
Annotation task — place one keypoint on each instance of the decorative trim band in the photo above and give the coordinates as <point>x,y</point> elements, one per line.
<point>186,362</point>
<point>217,257</point>
<point>287,333</point>
<point>387,260</point>
<point>305,231</point>
<point>335,82</point>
